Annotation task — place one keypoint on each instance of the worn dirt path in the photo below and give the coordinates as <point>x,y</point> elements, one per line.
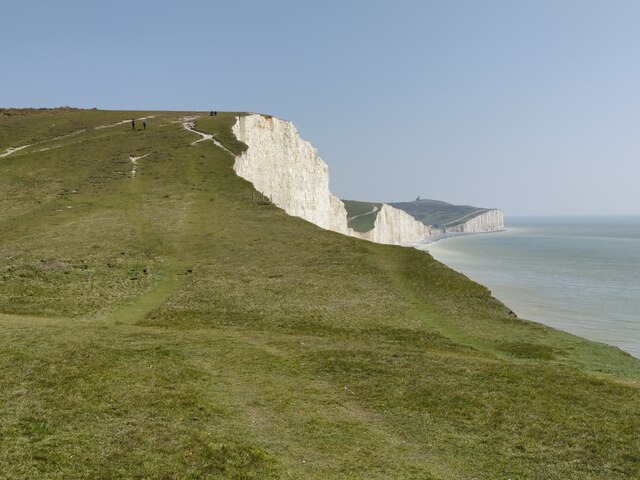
<point>134,161</point>
<point>12,150</point>
<point>100,127</point>
<point>375,209</point>
<point>474,213</point>
<point>188,124</point>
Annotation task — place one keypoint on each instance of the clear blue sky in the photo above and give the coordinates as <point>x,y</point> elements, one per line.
<point>533,107</point>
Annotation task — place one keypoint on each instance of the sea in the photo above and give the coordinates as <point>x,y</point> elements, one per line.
<point>577,274</point>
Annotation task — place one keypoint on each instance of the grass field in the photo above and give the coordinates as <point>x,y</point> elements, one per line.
<point>164,326</point>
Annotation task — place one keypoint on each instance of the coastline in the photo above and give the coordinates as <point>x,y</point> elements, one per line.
<point>444,236</point>
<point>570,275</point>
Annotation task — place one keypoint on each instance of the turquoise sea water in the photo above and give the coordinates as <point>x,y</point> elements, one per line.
<point>577,274</point>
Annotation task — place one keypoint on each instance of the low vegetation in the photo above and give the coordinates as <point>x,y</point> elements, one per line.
<point>165,326</point>
<point>361,216</point>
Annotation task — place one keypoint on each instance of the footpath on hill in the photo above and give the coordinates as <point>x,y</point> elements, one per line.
<point>163,325</point>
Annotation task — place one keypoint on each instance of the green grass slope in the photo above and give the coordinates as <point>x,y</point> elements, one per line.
<point>361,216</point>
<point>164,326</point>
<point>437,213</point>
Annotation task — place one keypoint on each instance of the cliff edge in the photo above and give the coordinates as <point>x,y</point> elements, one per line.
<point>288,170</point>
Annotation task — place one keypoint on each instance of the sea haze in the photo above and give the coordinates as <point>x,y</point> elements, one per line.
<point>578,274</point>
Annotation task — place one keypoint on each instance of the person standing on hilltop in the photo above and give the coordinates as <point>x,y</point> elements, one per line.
<point>144,124</point>
<point>133,124</point>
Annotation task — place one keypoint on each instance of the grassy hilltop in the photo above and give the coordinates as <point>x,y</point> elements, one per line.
<point>361,216</point>
<point>163,326</point>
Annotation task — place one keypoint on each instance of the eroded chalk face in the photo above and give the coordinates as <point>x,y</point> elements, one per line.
<point>290,172</point>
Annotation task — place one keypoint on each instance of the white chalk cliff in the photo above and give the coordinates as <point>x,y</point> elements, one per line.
<point>489,221</point>
<point>290,172</point>
<point>395,227</point>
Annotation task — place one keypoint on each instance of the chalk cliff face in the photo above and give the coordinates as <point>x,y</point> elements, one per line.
<point>396,227</point>
<point>490,221</point>
<point>288,170</point>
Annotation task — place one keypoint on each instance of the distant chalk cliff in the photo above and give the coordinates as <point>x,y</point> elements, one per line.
<point>489,221</point>
<point>395,227</point>
<point>290,172</point>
